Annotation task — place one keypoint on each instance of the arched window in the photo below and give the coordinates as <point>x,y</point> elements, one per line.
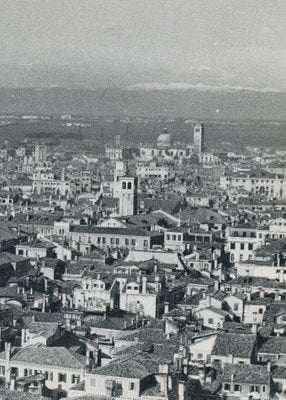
<point>129,186</point>
<point>123,185</point>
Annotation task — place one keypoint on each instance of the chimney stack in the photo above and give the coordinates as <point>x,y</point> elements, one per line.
<point>144,285</point>
<point>7,364</point>
<point>166,307</point>
<point>254,329</point>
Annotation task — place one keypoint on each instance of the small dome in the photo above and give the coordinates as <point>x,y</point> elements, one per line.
<point>165,139</point>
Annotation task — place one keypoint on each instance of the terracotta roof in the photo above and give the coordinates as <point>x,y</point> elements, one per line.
<point>52,356</point>
<point>273,345</point>
<point>243,373</point>
<point>239,345</point>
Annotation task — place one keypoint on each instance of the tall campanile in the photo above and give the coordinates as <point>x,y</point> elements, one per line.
<point>127,193</point>
<point>198,139</point>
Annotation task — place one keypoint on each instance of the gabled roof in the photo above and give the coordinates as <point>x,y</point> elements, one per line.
<point>51,356</point>
<point>239,345</point>
<point>243,373</point>
<point>273,345</point>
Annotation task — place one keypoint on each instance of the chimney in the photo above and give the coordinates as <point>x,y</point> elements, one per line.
<point>7,364</point>
<point>254,329</point>
<point>13,382</point>
<point>230,356</point>
<point>277,296</point>
<point>97,355</point>
<point>44,303</point>
<point>164,374</point>
<point>181,390</point>
<point>87,359</point>
<point>46,284</point>
<point>166,307</point>
<point>217,285</point>
<point>156,267</point>
<point>23,337</point>
<point>144,285</point>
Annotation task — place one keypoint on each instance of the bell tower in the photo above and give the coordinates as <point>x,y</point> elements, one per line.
<point>198,139</point>
<point>127,193</point>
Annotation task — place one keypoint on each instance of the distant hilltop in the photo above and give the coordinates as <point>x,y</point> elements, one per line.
<point>188,102</point>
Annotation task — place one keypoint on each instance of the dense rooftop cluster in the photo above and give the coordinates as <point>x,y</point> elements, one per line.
<point>153,272</point>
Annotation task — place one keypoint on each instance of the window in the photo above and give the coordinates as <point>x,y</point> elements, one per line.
<point>168,237</point>
<point>200,355</point>
<point>241,246</point>
<point>62,377</point>
<point>20,252</point>
<point>260,310</point>
<point>174,237</point>
<point>232,246</point>
<point>117,241</point>
<point>232,257</point>
<point>98,240</point>
<point>129,186</point>
<point>2,370</point>
<point>126,242</point>
<point>49,376</point>
<point>75,379</point>
<point>264,389</point>
<point>123,185</point>
<point>254,388</point>
<point>111,240</point>
<point>235,306</point>
<point>210,321</point>
<point>145,244</point>
<point>103,240</point>
<point>250,246</point>
<point>226,386</point>
<point>241,257</point>
<point>131,385</point>
<point>133,242</point>
<point>237,388</point>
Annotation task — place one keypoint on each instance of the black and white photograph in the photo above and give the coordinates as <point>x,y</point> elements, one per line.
<point>143,199</point>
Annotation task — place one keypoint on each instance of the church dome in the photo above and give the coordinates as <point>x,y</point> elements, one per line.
<point>165,139</point>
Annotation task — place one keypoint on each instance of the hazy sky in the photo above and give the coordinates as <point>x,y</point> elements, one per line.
<point>89,43</point>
